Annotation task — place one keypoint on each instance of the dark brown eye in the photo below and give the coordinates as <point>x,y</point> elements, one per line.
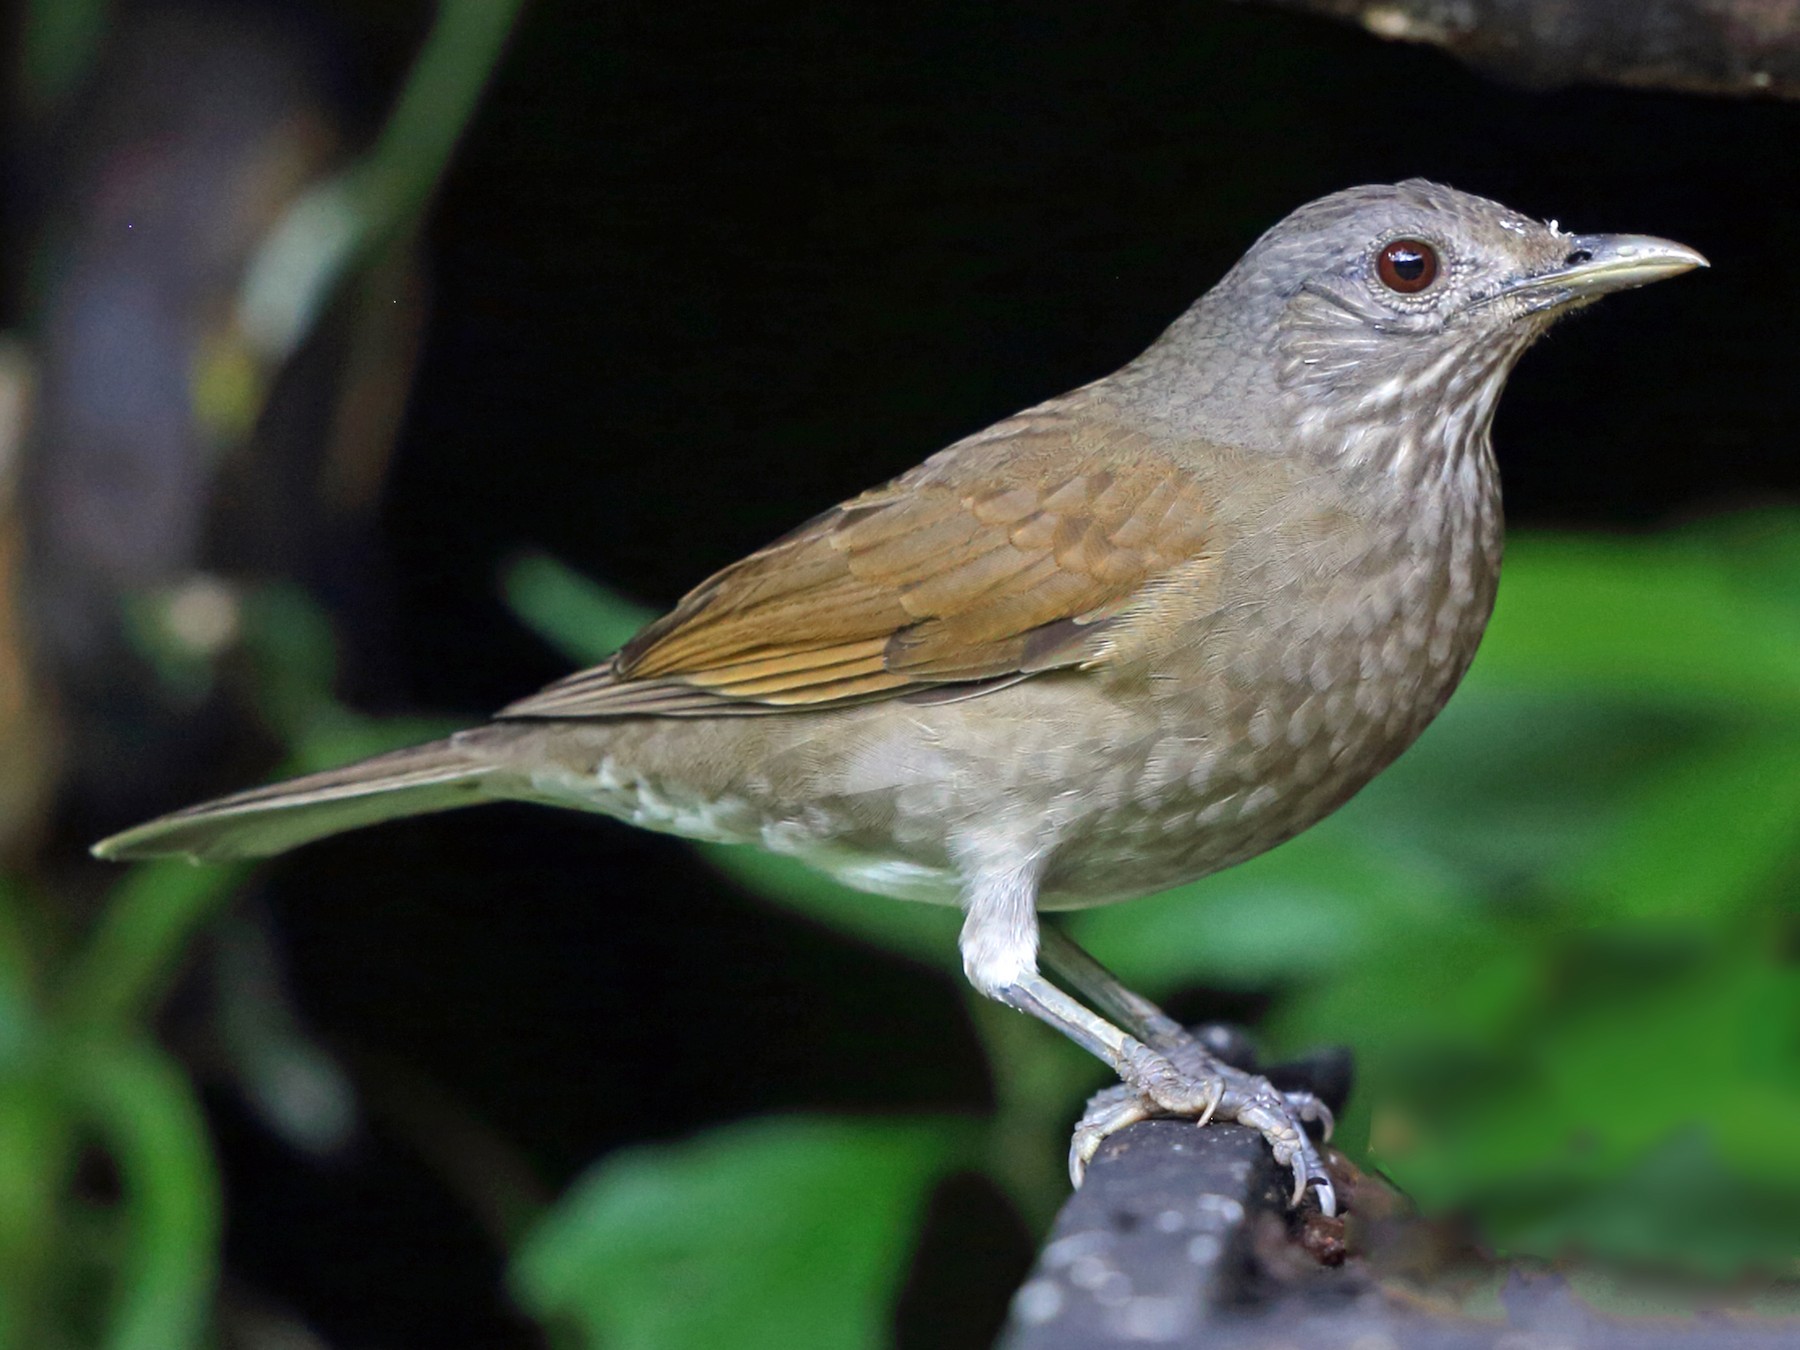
<point>1406,265</point>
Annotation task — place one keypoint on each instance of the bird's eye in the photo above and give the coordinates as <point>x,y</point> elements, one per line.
<point>1406,265</point>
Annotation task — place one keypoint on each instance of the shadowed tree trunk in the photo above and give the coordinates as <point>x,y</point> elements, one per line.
<point>1699,46</point>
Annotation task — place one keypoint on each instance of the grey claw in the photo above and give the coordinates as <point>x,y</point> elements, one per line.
<point>1107,1113</point>
<point>1081,1151</point>
<point>1308,1172</point>
<point>1214,1097</point>
<point>1308,1107</point>
<point>1327,1196</point>
<point>1316,1110</point>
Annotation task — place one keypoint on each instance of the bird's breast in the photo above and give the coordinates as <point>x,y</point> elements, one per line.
<point>1338,632</point>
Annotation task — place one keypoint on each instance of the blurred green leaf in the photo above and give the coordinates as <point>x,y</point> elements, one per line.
<point>141,937</point>
<point>1674,616</point>
<point>61,38</point>
<point>334,736</point>
<point>144,1111</point>
<point>1509,785</point>
<point>579,617</point>
<point>36,1147</point>
<point>1526,1096</point>
<point>289,638</point>
<point>1707,835</point>
<point>37,1154</point>
<point>1677,1202</point>
<point>18,976</point>
<point>293,651</point>
<point>1300,911</point>
<point>762,1236</point>
<point>184,671</point>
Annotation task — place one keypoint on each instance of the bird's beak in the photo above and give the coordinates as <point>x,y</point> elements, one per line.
<point>1599,264</point>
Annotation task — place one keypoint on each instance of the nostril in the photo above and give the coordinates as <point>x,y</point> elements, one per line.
<point>1580,255</point>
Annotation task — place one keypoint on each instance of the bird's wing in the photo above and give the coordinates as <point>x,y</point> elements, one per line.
<point>951,576</point>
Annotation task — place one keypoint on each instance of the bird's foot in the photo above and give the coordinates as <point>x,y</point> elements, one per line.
<point>1185,1079</point>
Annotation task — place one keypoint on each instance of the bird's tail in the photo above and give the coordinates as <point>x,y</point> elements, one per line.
<point>255,824</point>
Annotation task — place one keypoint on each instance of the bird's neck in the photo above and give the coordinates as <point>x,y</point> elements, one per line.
<point>1270,385</point>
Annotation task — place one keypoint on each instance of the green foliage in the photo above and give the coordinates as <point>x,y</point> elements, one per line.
<point>78,1066</point>
<point>761,1236</point>
<point>1706,617</point>
<point>583,619</point>
<point>60,39</point>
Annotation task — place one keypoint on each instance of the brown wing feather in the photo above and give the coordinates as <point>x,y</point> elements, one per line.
<point>1003,556</point>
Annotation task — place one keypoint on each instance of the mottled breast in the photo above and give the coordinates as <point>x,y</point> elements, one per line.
<point>1333,646</point>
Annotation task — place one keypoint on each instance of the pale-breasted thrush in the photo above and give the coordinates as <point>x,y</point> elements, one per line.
<point>1132,635</point>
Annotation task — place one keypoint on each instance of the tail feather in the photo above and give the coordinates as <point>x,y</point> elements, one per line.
<point>267,820</point>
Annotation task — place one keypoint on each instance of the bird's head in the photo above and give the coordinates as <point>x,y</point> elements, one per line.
<point>1388,303</point>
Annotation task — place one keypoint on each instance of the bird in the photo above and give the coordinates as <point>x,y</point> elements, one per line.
<point>1125,638</point>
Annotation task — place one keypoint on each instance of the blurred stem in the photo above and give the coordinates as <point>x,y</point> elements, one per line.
<point>61,38</point>
<point>35,1152</point>
<point>588,622</point>
<point>36,1157</point>
<point>1036,1076</point>
<point>123,972</point>
<point>335,224</point>
<point>152,1126</point>
<point>447,78</point>
<point>493,1181</point>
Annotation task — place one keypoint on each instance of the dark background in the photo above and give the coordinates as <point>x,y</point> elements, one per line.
<point>699,271</point>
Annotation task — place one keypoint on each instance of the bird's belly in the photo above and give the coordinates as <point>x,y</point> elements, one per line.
<point>1227,810</point>
<point>1116,817</point>
<point>1294,724</point>
<point>1121,805</point>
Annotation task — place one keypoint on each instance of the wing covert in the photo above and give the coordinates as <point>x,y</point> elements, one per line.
<point>1007,554</point>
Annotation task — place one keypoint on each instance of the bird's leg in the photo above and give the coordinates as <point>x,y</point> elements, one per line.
<point>1000,946</point>
<point>1245,1097</point>
<point>1150,1024</point>
<point>1108,993</point>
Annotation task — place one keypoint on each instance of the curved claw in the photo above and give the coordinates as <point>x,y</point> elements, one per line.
<point>1107,1113</point>
<point>1307,1172</point>
<point>1321,1114</point>
<point>1215,1095</point>
<point>1327,1195</point>
<point>1081,1153</point>
<point>1310,1108</point>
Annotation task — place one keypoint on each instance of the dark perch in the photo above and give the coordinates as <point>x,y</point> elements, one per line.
<point>1155,1244</point>
<point>1182,1237</point>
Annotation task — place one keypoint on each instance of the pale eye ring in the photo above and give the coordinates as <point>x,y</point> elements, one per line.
<point>1406,266</point>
